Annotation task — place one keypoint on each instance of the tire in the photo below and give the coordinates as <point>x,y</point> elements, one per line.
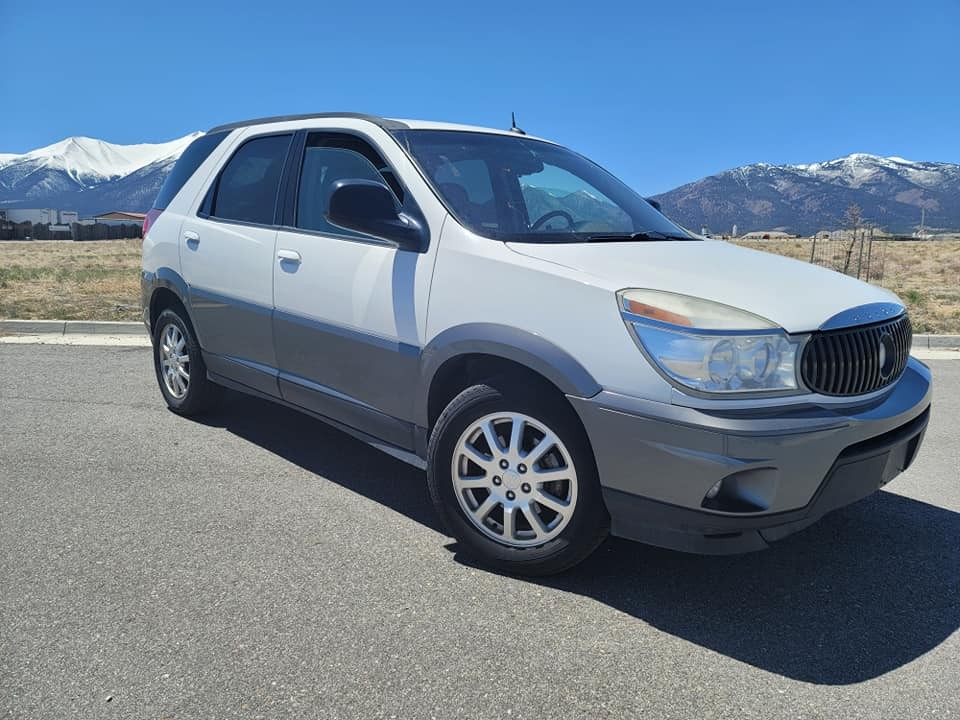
<point>461,489</point>
<point>185,396</point>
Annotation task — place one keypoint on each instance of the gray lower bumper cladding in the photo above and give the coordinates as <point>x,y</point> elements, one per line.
<point>786,470</point>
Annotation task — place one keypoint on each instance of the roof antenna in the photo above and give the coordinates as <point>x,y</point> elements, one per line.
<point>513,124</point>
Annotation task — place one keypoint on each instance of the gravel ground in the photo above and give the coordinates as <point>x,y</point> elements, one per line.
<point>261,564</point>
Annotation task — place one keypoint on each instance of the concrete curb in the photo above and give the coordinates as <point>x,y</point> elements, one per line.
<point>71,327</point>
<point>936,341</point>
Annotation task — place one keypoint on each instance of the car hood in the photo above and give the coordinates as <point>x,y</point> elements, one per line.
<point>797,296</point>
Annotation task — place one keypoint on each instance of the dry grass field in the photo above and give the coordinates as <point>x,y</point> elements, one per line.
<point>60,280</point>
<point>100,280</point>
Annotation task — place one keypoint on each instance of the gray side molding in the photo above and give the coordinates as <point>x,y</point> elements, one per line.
<point>506,342</point>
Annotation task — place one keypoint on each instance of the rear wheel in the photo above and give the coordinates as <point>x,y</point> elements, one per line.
<point>181,372</point>
<point>512,474</point>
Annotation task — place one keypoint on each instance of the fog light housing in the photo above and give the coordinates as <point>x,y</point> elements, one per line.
<point>745,491</point>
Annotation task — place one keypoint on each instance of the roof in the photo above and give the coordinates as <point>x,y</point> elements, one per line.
<point>385,123</point>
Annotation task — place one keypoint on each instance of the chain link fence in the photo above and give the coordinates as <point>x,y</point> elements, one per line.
<point>860,256</point>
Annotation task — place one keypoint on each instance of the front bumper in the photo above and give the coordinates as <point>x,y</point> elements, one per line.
<point>782,468</point>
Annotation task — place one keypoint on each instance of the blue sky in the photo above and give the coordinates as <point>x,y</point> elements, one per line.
<point>660,93</point>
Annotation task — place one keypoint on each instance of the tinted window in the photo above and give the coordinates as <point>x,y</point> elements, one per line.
<point>248,186</point>
<point>329,157</point>
<point>509,187</point>
<point>192,158</point>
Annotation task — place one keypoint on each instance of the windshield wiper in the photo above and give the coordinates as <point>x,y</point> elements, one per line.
<point>646,236</point>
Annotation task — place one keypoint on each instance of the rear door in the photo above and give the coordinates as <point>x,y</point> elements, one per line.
<point>227,259</point>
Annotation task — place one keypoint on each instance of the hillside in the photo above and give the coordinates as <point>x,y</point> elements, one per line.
<point>802,199</point>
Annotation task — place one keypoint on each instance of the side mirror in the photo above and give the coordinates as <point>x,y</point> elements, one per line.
<point>655,204</point>
<point>369,207</point>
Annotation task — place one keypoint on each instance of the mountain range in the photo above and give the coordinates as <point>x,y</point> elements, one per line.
<point>93,176</point>
<point>88,175</point>
<point>802,199</point>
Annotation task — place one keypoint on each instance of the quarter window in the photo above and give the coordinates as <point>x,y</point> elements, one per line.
<point>329,157</point>
<point>248,186</point>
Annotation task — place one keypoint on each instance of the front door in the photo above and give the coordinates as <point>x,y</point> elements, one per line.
<point>349,307</point>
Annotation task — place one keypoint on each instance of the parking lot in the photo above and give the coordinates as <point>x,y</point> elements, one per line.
<point>262,564</point>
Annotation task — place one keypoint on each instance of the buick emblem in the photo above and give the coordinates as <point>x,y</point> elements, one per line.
<point>886,355</point>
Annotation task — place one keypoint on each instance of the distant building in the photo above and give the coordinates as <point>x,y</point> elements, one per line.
<point>38,216</point>
<point>130,217</point>
<point>767,235</point>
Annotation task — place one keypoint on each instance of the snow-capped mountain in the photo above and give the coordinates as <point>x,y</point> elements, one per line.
<point>93,176</point>
<point>88,175</point>
<point>802,199</point>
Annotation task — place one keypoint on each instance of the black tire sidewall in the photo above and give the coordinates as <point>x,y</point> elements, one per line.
<point>585,529</point>
<point>197,390</point>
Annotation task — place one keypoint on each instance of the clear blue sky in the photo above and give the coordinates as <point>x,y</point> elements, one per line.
<point>661,93</point>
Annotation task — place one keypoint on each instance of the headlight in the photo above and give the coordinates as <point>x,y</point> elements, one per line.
<point>709,346</point>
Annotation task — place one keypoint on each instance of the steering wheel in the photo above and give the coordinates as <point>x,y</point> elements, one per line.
<point>552,214</point>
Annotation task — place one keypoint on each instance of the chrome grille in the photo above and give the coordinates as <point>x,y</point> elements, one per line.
<point>857,360</point>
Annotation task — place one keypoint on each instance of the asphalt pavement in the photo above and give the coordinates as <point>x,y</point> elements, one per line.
<point>261,564</point>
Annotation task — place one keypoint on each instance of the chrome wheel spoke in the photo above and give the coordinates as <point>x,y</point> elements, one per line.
<point>516,438</point>
<point>490,433</point>
<point>485,508</point>
<point>478,458</point>
<point>536,524</point>
<point>551,475</point>
<point>548,500</point>
<point>473,482</point>
<point>509,521</point>
<point>541,448</point>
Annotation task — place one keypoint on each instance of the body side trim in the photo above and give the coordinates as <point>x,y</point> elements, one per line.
<point>349,333</point>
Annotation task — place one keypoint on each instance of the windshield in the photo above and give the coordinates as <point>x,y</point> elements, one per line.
<point>517,189</point>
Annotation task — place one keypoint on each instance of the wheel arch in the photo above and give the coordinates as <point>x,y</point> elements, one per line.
<point>467,354</point>
<point>162,290</point>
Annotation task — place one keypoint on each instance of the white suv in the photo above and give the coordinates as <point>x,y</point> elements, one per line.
<point>566,360</point>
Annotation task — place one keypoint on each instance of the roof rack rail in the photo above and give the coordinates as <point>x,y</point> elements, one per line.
<point>382,122</point>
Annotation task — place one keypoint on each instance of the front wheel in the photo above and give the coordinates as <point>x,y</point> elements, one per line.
<point>179,365</point>
<point>512,474</point>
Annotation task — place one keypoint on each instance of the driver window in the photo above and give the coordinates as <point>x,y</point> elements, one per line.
<point>328,158</point>
<point>569,202</point>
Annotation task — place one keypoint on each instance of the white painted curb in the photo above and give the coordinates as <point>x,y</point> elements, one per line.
<point>71,327</point>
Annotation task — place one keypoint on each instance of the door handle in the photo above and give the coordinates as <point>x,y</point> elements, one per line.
<point>192,238</point>
<point>289,256</point>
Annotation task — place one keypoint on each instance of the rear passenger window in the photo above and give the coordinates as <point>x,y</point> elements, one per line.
<point>329,157</point>
<point>192,158</point>
<point>248,186</point>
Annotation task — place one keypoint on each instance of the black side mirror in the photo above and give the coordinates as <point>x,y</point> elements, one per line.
<point>369,207</point>
<point>655,204</point>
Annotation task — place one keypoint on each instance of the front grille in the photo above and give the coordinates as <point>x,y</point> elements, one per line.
<point>857,360</point>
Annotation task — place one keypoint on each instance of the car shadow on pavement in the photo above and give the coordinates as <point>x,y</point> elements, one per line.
<point>866,590</point>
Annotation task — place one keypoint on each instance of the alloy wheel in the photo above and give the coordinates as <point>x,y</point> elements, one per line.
<point>514,479</point>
